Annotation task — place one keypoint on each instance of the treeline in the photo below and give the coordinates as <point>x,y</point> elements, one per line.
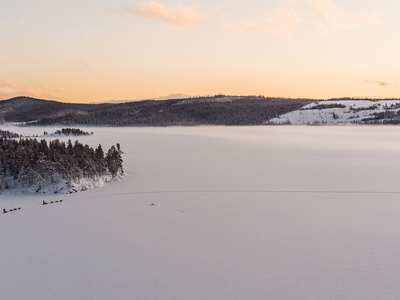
<point>31,163</point>
<point>384,117</point>
<point>8,134</point>
<point>217,110</point>
<point>325,106</point>
<point>71,131</point>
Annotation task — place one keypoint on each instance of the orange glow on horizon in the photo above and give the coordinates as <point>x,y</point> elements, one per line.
<point>297,49</point>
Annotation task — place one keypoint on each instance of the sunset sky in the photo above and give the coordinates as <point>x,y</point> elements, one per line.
<point>100,50</point>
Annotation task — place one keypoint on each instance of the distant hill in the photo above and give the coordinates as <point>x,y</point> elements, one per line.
<point>25,109</point>
<point>216,110</point>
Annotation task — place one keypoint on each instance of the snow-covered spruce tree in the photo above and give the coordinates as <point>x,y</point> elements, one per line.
<point>1,174</point>
<point>29,163</point>
<point>99,161</point>
<point>7,134</point>
<point>114,162</point>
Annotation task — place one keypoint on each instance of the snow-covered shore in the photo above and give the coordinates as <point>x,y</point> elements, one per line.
<point>62,186</point>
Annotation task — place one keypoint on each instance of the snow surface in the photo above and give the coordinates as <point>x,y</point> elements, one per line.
<point>353,112</point>
<point>259,212</point>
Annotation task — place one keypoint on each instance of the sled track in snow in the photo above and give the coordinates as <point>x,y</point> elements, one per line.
<point>233,192</point>
<point>255,192</point>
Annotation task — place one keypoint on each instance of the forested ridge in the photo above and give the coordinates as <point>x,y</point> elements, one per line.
<point>210,110</point>
<point>215,110</point>
<point>218,110</point>
<point>29,163</point>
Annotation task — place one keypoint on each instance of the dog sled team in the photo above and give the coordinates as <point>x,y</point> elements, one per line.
<point>44,203</point>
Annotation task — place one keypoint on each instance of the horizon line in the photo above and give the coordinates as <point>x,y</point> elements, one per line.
<point>174,97</point>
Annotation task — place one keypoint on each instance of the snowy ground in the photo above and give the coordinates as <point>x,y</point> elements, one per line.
<point>239,213</point>
<point>353,111</point>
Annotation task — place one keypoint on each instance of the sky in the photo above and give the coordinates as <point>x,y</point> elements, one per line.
<point>100,50</point>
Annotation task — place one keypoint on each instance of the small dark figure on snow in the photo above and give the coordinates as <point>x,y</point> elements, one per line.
<point>44,203</point>
<point>4,211</point>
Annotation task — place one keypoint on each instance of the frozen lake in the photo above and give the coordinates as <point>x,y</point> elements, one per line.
<point>264,212</point>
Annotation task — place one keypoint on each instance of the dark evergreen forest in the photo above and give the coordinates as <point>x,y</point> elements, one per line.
<point>213,110</point>
<point>8,134</point>
<point>28,163</point>
<point>217,110</point>
<point>69,131</point>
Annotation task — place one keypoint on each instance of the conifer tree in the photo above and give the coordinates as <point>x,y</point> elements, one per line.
<point>31,163</point>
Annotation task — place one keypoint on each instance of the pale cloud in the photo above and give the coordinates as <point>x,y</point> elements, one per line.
<point>179,16</point>
<point>225,21</point>
<point>282,23</point>
<point>107,10</point>
<point>330,18</point>
<point>324,15</point>
<point>9,89</point>
<point>381,83</point>
<point>324,6</point>
<point>236,27</point>
<point>79,62</point>
<point>380,1</point>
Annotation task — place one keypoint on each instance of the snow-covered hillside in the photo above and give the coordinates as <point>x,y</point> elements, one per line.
<point>334,112</point>
<point>227,213</point>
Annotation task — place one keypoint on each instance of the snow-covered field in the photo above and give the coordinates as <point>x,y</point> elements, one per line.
<point>267,212</point>
<point>351,111</point>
